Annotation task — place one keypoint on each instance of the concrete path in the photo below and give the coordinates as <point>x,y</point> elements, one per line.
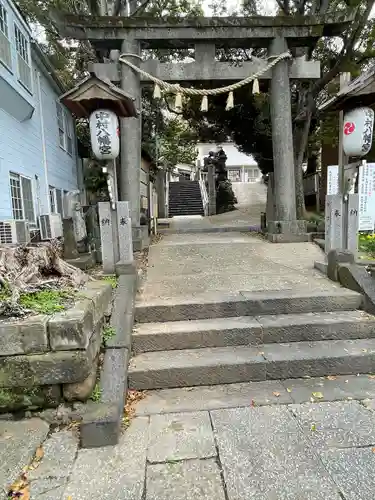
<point>188,265</point>
<point>263,441</point>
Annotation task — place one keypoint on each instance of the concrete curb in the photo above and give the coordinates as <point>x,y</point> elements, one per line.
<point>101,425</point>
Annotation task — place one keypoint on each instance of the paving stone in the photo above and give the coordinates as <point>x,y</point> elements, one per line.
<point>213,397</point>
<point>114,472</point>
<point>178,436</point>
<point>352,470</point>
<point>340,388</point>
<point>190,480</point>
<point>48,489</point>
<point>59,454</point>
<point>369,403</point>
<point>336,425</point>
<point>265,456</point>
<point>18,442</point>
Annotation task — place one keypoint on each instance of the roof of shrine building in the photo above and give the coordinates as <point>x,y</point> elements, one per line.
<point>359,92</point>
<point>223,31</point>
<point>93,93</point>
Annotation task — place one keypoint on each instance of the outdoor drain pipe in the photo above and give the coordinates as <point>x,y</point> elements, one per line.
<point>44,150</point>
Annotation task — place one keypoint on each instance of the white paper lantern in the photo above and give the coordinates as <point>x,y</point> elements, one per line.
<point>105,136</point>
<point>357,131</point>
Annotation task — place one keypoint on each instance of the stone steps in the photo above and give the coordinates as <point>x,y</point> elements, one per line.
<point>185,199</point>
<point>220,305</point>
<point>227,365</point>
<point>218,338</point>
<point>252,330</point>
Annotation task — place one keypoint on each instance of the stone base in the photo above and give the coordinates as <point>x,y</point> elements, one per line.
<point>336,257</point>
<point>287,231</point>
<point>123,267</point>
<point>321,266</point>
<point>83,262</point>
<point>141,238</point>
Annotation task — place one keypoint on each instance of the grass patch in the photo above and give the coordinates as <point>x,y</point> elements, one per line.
<point>111,279</point>
<point>108,333</point>
<point>96,393</point>
<point>366,244</point>
<point>47,301</point>
<point>5,293</point>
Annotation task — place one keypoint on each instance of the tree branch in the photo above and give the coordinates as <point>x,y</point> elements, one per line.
<point>300,7</point>
<point>284,6</point>
<point>346,51</point>
<point>117,7</point>
<point>138,9</point>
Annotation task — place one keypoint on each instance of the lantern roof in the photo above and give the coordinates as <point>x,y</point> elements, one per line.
<point>94,93</point>
<point>359,92</point>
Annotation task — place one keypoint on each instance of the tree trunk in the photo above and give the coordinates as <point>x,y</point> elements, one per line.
<point>312,164</point>
<point>301,130</point>
<point>300,138</point>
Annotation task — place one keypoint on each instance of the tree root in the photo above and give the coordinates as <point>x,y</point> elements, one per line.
<point>31,268</point>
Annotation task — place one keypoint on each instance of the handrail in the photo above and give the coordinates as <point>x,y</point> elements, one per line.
<point>204,194</point>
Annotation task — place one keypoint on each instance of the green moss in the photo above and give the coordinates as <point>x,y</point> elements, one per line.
<point>96,393</point>
<point>5,293</point>
<point>7,397</point>
<point>108,333</point>
<point>21,397</point>
<point>111,279</point>
<point>47,301</point>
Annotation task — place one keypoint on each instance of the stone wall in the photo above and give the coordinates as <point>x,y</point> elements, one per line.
<point>45,359</point>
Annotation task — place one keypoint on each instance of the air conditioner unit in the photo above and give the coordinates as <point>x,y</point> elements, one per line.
<point>50,226</point>
<point>14,232</point>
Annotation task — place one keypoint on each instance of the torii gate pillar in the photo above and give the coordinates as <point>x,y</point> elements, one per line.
<point>131,138</point>
<point>285,227</point>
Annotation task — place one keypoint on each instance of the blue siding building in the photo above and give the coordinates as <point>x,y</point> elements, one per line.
<point>38,147</point>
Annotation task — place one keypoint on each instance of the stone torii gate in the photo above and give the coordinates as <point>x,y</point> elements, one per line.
<point>277,34</point>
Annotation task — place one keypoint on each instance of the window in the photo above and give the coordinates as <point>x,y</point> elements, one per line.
<point>69,134</point>
<point>22,198</point>
<point>56,200</point>
<point>59,201</point>
<point>23,59</point>
<point>61,124</point>
<point>234,175</point>
<point>52,199</point>
<point>5,54</point>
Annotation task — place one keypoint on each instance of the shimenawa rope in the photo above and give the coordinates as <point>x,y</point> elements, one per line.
<point>180,91</point>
